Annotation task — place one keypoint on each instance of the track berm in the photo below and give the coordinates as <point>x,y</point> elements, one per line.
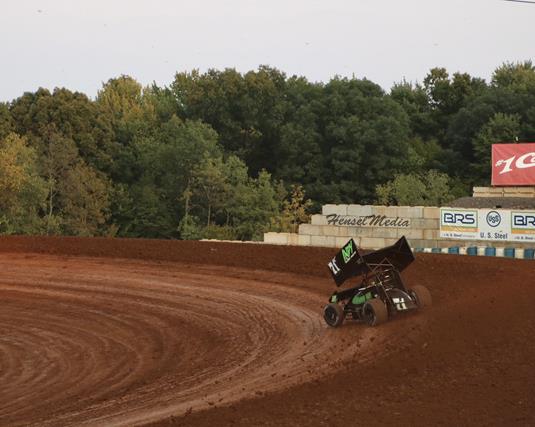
<point>129,332</point>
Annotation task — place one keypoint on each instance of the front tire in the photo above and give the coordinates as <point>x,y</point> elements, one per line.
<point>375,312</point>
<point>334,315</point>
<point>422,296</point>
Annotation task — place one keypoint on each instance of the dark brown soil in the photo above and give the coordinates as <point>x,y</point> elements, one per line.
<point>126,332</point>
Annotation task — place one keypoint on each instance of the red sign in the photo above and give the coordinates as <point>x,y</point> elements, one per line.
<point>513,164</point>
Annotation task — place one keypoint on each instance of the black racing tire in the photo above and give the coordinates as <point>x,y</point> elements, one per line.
<point>333,314</point>
<point>422,296</point>
<point>374,312</point>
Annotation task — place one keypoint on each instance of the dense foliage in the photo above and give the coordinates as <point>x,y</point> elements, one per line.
<point>228,155</point>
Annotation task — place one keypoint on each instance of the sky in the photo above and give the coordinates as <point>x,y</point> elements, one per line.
<point>81,44</point>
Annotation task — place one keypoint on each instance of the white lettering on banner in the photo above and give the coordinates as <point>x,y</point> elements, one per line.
<point>487,224</point>
<point>520,163</point>
<point>334,268</point>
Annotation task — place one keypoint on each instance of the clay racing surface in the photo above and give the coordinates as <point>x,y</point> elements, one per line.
<point>132,332</point>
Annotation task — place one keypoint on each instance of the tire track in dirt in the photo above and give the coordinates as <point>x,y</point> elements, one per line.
<point>122,342</point>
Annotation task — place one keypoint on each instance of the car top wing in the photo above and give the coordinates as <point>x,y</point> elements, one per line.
<point>399,255</point>
<point>349,262</point>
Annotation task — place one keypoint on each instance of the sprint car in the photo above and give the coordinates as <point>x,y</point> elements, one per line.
<point>381,293</point>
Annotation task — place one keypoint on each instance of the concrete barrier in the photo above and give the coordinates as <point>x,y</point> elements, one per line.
<point>504,192</point>
<point>374,227</point>
<point>509,252</point>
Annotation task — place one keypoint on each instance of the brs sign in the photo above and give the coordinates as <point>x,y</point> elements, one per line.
<point>513,164</point>
<point>523,221</point>
<point>458,220</point>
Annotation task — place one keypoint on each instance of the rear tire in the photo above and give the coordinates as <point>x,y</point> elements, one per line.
<point>422,296</point>
<point>375,312</point>
<point>334,315</point>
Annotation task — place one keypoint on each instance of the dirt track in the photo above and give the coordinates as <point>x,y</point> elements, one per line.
<point>186,333</point>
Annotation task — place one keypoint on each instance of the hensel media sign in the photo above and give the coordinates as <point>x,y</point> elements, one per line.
<point>513,164</point>
<point>367,221</point>
<point>487,224</point>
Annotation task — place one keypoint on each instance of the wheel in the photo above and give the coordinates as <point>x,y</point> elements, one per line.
<point>333,314</point>
<point>375,312</point>
<point>422,296</point>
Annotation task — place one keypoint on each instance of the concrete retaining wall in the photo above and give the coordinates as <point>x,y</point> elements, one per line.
<point>504,192</point>
<point>373,227</point>
<point>384,226</point>
<point>419,224</point>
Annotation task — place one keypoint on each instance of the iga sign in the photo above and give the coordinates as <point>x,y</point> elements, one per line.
<point>487,224</point>
<point>513,164</point>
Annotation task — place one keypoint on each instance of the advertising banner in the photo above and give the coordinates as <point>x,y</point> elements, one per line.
<point>459,223</point>
<point>513,164</point>
<point>523,226</point>
<point>487,224</point>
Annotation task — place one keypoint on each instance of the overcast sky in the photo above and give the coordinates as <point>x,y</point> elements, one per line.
<point>81,44</point>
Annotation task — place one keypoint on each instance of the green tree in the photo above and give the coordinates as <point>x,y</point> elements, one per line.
<point>367,140</point>
<point>162,101</point>
<point>260,204</point>
<point>295,210</point>
<point>298,151</point>
<point>23,190</point>
<point>414,100</point>
<point>70,114</point>
<point>245,110</point>
<point>448,95</point>
<point>6,121</point>
<point>234,204</point>
<point>163,168</point>
<point>211,185</point>
<point>512,93</point>
<point>519,76</point>
<point>77,202</point>
<point>429,189</point>
<point>130,113</point>
<point>150,215</point>
<point>500,128</point>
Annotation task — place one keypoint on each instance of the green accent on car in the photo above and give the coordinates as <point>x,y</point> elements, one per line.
<point>348,251</point>
<point>334,298</point>
<point>361,299</point>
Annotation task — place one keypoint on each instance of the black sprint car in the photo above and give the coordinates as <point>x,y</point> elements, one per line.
<point>381,292</point>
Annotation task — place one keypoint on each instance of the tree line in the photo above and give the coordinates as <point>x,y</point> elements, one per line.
<point>224,154</point>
